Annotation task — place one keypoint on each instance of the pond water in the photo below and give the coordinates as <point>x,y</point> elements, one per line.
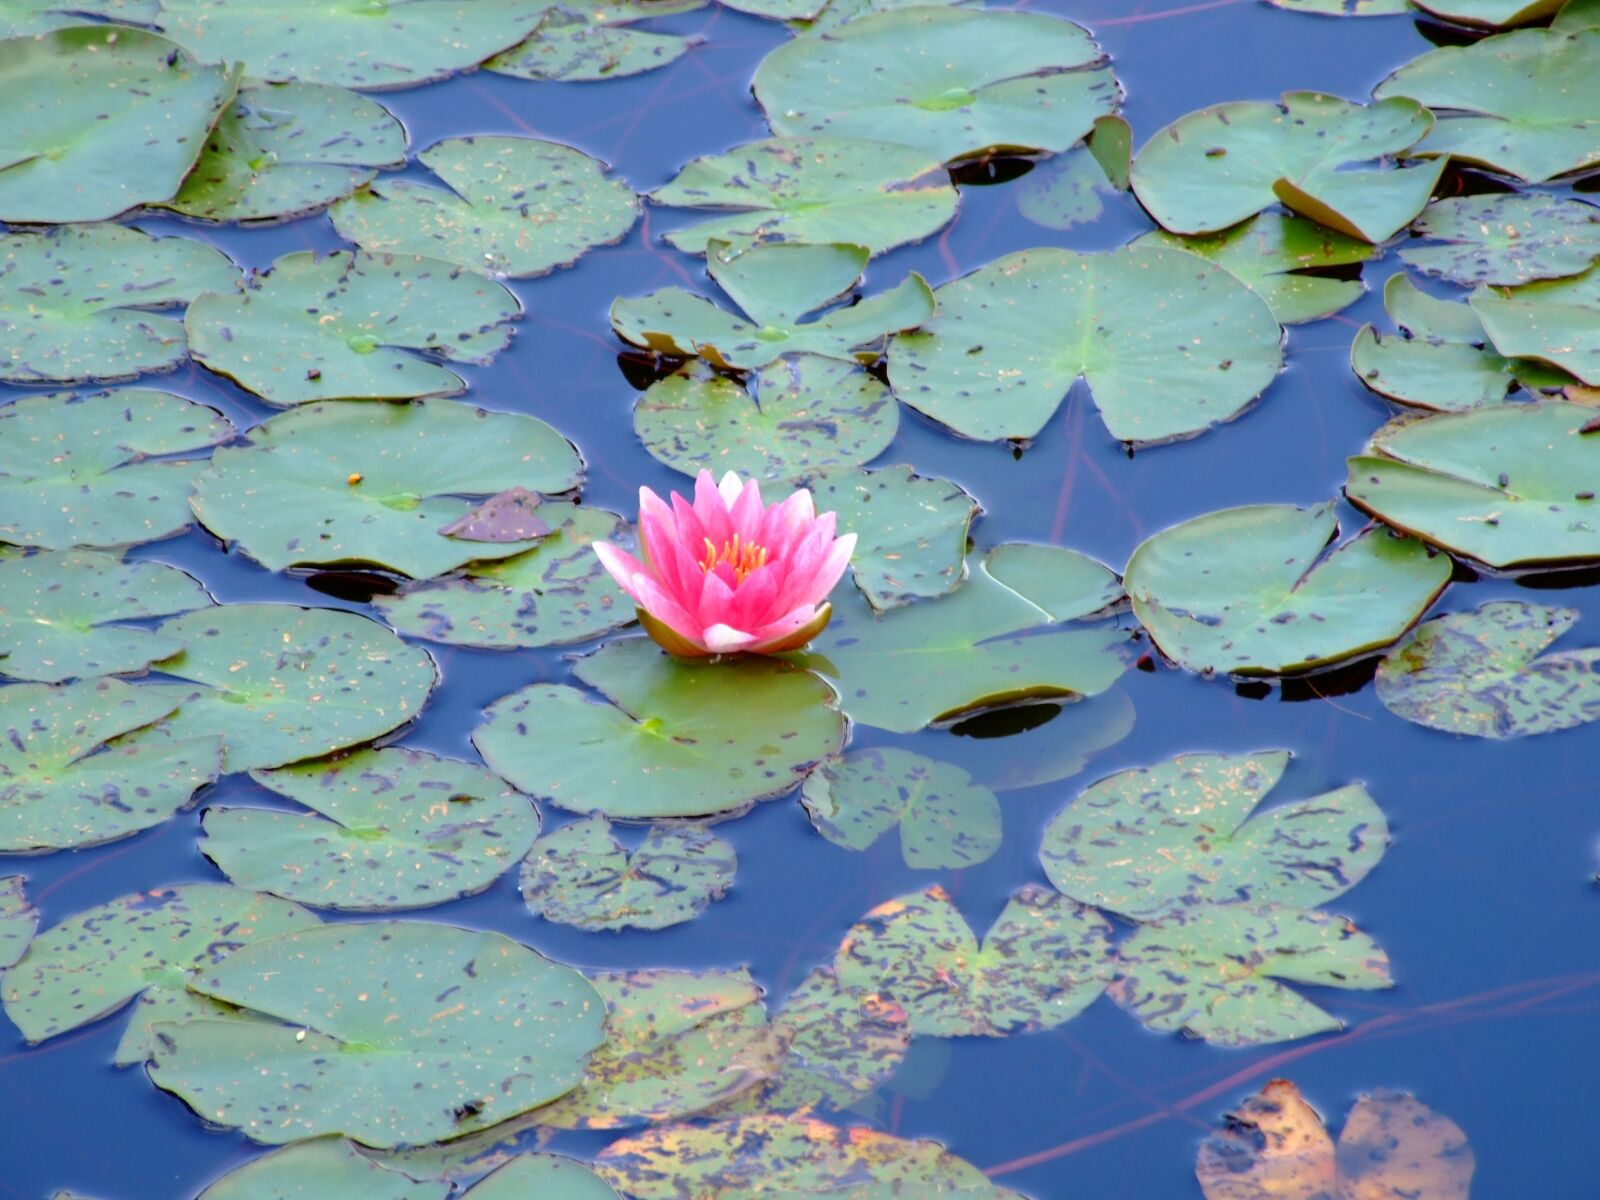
<point>1485,902</point>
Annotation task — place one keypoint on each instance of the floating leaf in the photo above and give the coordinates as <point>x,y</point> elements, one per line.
<point>595,42</point>
<point>375,483</point>
<point>1044,960</point>
<point>1506,239</point>
<point>1491,14</point>
<point>1576,15</point>
<point>1556,321</point>
<point>41,16</point>
<point>388,829</point>
<point>508,516</point>
<point>546,1176</point>
<point>1068,190</point>
<point>581,875</point>
<point>837,12</point>
<point>951,82</point>
<point>1151,841</point>
<point>325,1167</point>
<point>1056,748</point>
<point>394,1032</point>
<point>18,920</point>
<point>57,614</point>
<point>1214,972</point>
<point>1255,590</point>
<point>343,327</point>
<point>1168,350</point>
<point>680,738</point>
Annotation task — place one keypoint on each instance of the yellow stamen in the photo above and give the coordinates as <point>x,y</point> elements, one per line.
<point>742,557</point>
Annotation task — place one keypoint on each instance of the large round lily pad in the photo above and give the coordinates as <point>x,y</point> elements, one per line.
<point>596,41</point>
<point>1169,347</point>
<point>1256,591</point>
<point>1506,239</point>
<point>670,738</point>
<point>18,920</point>
<point>1556,322</point>
<point>321,1169</point>
<point>395,1032</point>
<point>376,483</point>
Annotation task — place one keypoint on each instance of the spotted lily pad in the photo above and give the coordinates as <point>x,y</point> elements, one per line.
<point>1217,972</point>
<point>323,1167</point>
<point>1513,485</point>
<point>41,16</point>
<point>351,326</point>
<point>1151,841</point>
<point>680,738</point>
<point>1506,239</point>
<point>1555,321</point>
<point>388,829</point>
<point>58,614</point>
<point>375,483</point>
<point>508,516</point>
<point>1169,348</point>
<point>516,206</point>
<point>1044,960</point>
<point>951,82</point>
<point>595,41</point>
<point>581,875</point>
<point>775,286</point>
<point>18,920</point>
<point>813,190</point>
<point>1066,191</point>
<point>837,12</point>
<point>80,302</point>
<point>1492,14</point>
<point>1256,591</point>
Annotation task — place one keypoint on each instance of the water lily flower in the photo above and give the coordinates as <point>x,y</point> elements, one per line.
<point>728,573</point>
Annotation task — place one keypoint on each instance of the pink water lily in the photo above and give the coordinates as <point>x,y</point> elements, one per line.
<point>728,573</point>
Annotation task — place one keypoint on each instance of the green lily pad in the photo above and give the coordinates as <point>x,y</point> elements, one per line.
<point>595,42</point>
<point>837,12</point>
<point>394,1032</point>
<point>1151,841</point>
<point>516,206</point>
<point>78,99</point>
<point>951,82</point>
<point>85,763</point>
<point>799,413</point>
<point>388,829</point>
<point>344,326</point>
<point>18,919</point>
<point>1217,972</point>
<point>1512,485</point>
<point>78,303</point>
<point>281,684</point>
<point>1067,191</point>
<point>813,190</point>
<point>545,1176</point>
<point>320,1170</point>
<point>1486,673</point>
<point>287,149</point>
<point>581,875</point>
<point>945,818</point>
<point>1492,14</point>
<point>1256,591</point>
<point>681,738</point>
<point>1056,749</point>
<point>1271,253</point>
<point>57,614</point>
<point>1346,8</point>
<point>18,17</point>
<point>1506,239</point>
<point>1521,102</point>
<point>1556,321</point>
<point>1044,960</point>
<point>1168,350</point>
<point>1576,15</point>
<point>775,286</point>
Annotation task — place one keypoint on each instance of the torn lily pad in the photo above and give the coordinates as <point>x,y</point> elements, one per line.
<point>18,920</point>
<point>1556,321</point>
<point>1505,239</point>
<point>322,1167</point>
<point>1256,591</point>
<point>596,41</point>
<point>351,326</point>
<point>1066,191</point>
<point>581,875</point>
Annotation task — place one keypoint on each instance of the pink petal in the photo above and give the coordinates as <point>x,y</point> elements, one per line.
<point>745,512</point>
<point>713,513</point>
<point>716,601</point>
<point>776,631</point>
<point>649,596</point>
<point>691,531</point>
<point>833,566</point>
<point>621,566</point>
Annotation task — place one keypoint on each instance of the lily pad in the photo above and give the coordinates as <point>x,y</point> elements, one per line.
<point>508,516</point>
<point>85,763</point>
<point>775,286</point>
<point>79,303</point>
<point>1556,322</point>
<point>546,1176</point>
<point>1067,191</point>
<point>1057,748</point>
<point>1506,239</point>
<point>287,149</point>
<point>1217,972</point>
<point>374,483</point>
<point>1513,485</point>
<point>1168,349</point>
<point>1577,14</point>
<point>18,919</point>
<point>837,12</point>
<point>58,612</point>
<point>681,738</point>
<point>595,42</point>
<point>516,206</point>
<point>41,16</point>
<point>1492,14</point>
<point>388,829</point>
<point>1256,591</point>
<point>281,684</point>
<point>1151,841</point>
<point>78,99</point>
<point>394,1032</point>
<point>951,82</point>
<point>322,1168</point>
<point>581,875</point>
<point>1044,960</point>
<point>351,326</point>
<point>1485,673</point>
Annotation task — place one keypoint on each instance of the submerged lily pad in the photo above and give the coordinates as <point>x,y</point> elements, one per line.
<point>951,82</point>
<point>320,1170</point>
<point>1058,747</point>
<point>1485,673</point>
<point>671,737</point>
<point>388,829</point>
<point>351,326</point>
<point>1066,191</point>
<point>1506,239</point>
<point>18,920</point>
<point>1168,348</point>
<point>1556,322</point>
<point>374,483</point>
<point>516,206</point>
<point>595,41</point>
<point>394,1032</point>
<point>581,875</point>
<point>1255,590</point>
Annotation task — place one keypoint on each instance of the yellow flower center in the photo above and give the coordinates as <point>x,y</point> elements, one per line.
<point>743,557</point>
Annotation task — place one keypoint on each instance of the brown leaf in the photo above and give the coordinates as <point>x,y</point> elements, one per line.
<point>1395,1148</point>
<point>1273,1148</point>
<point>507,517</point>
